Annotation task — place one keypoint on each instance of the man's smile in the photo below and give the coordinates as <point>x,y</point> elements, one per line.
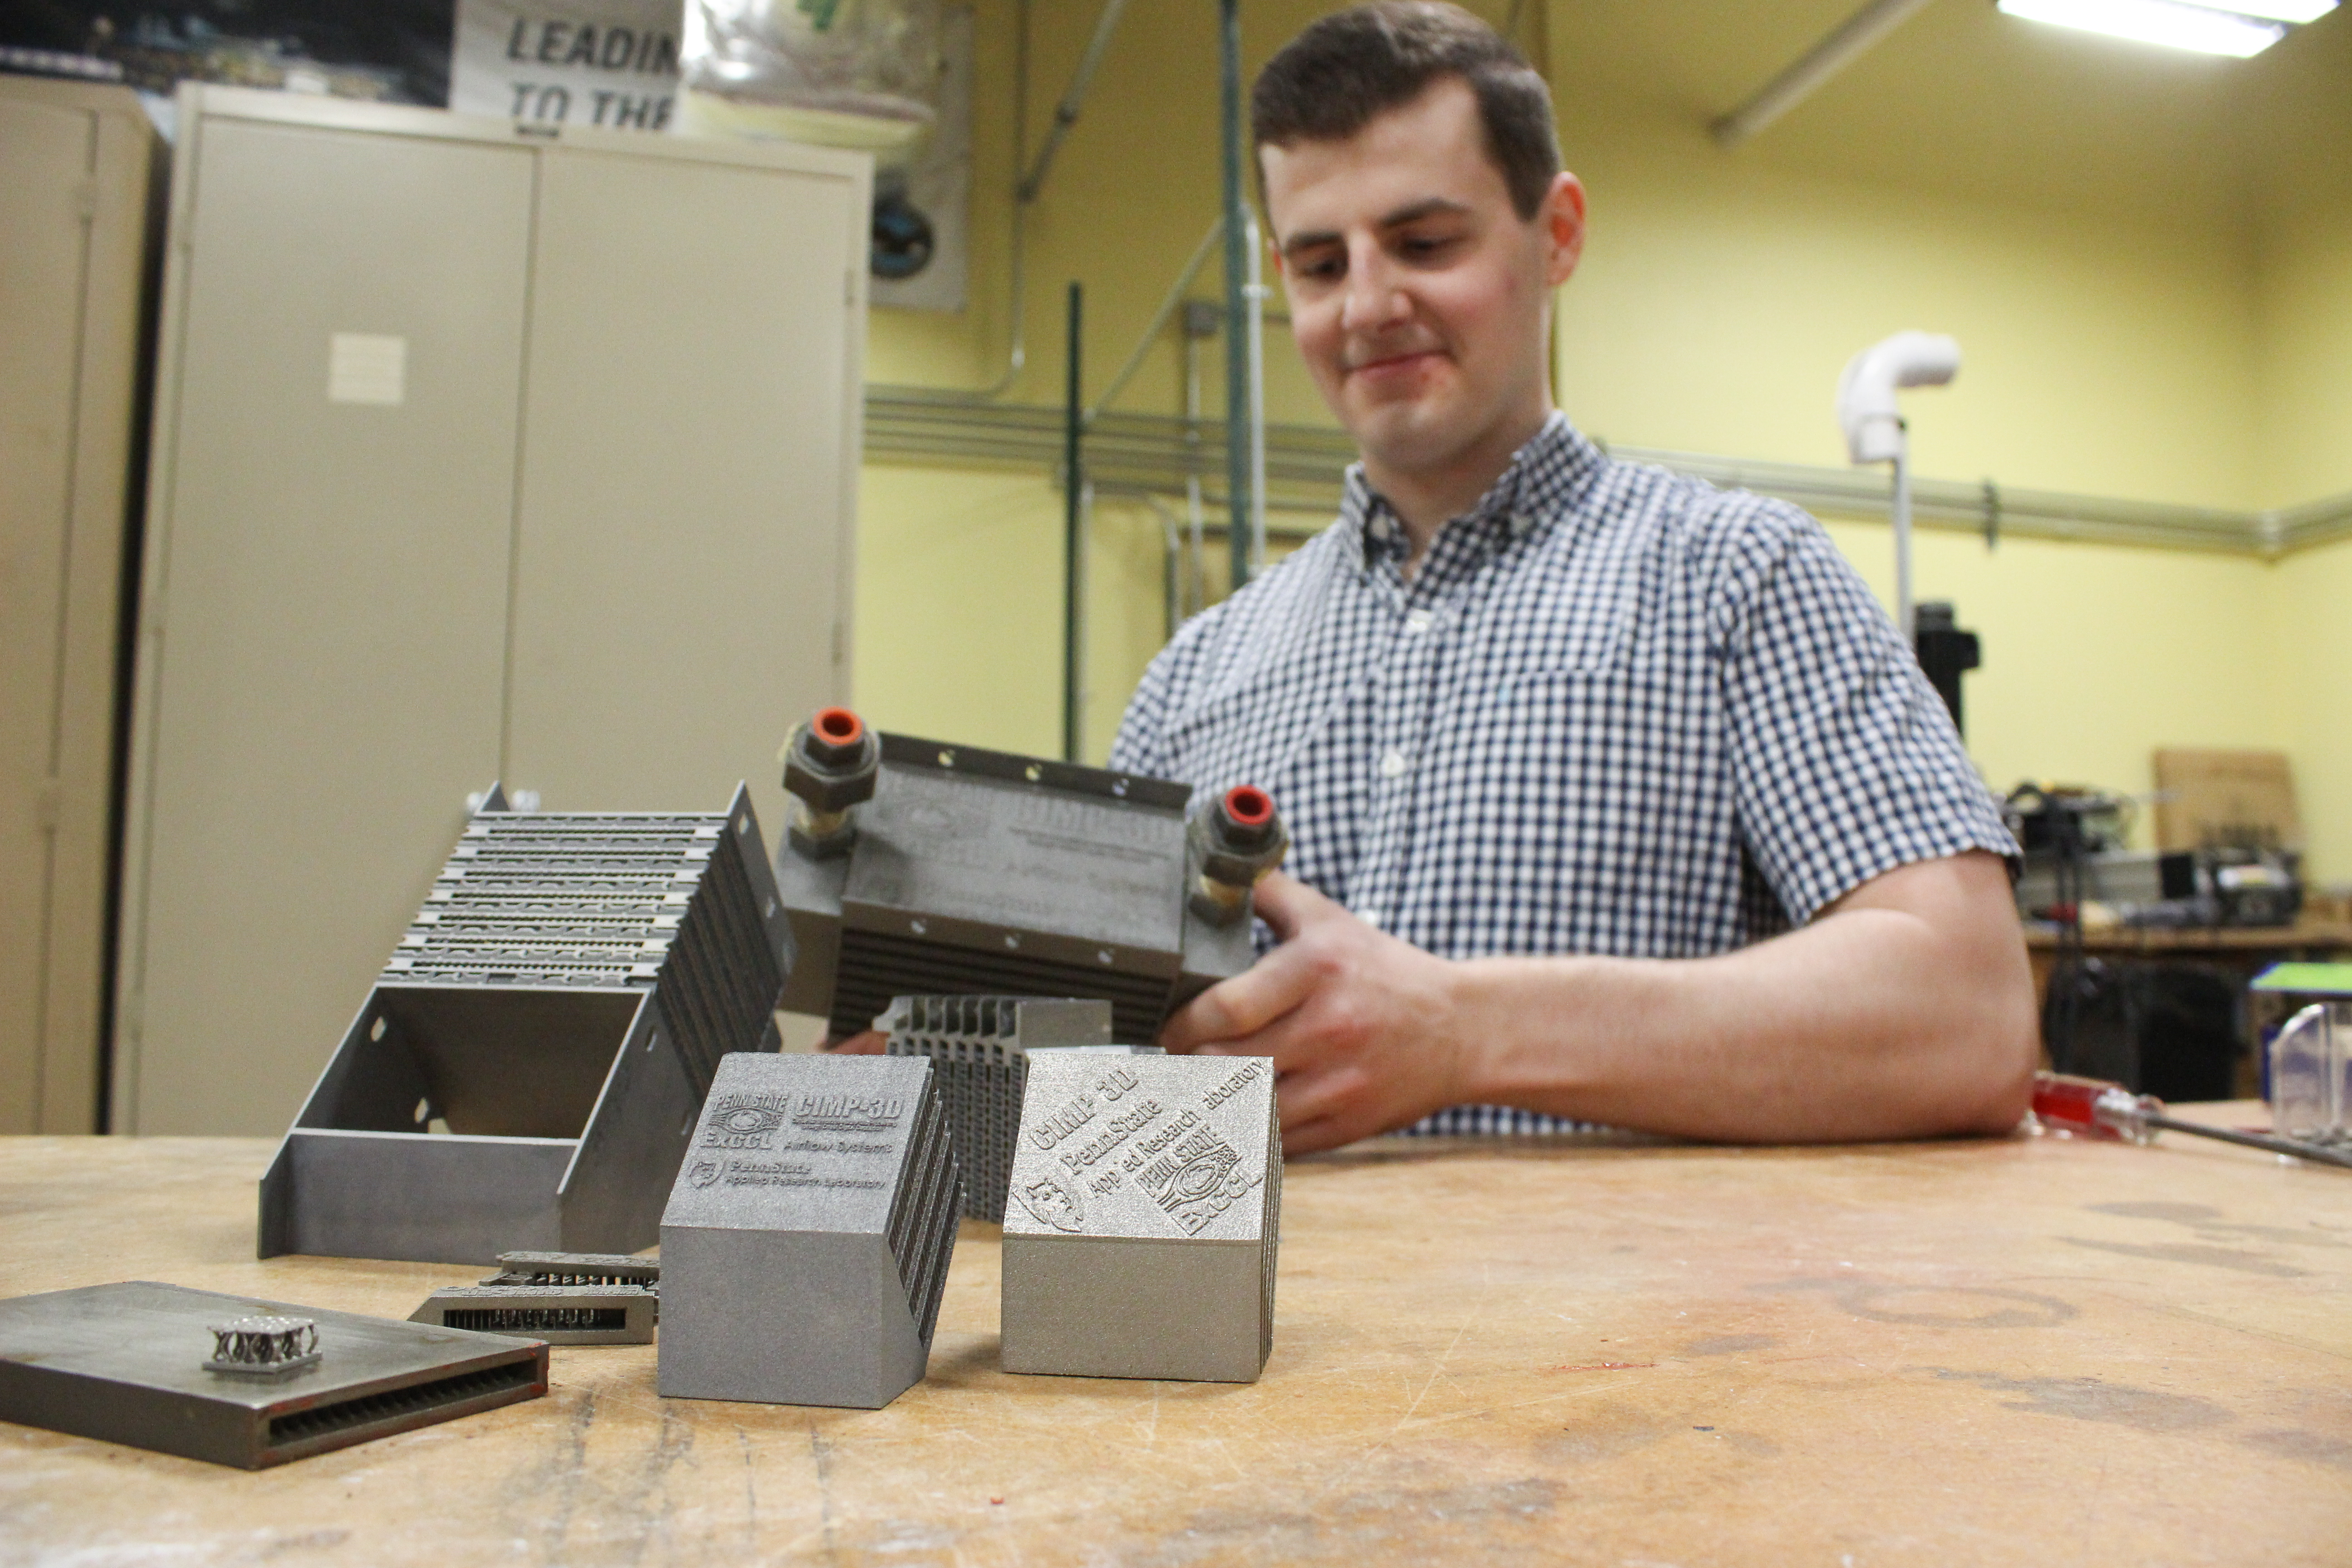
<point>1394,367</point>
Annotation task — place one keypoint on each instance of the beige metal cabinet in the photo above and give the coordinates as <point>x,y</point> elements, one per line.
<point>75,170</point>
<point>478,455</point>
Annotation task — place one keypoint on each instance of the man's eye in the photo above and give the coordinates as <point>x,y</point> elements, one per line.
<point>1423,247</point>
<point>1323,270</point>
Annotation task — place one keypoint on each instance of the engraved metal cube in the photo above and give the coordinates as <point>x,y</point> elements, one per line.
<point>807,1239</point>
<point>1145,1208</point>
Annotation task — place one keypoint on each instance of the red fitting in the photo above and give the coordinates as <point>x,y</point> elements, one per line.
<point>839,726</point>
<point>1249,806</point>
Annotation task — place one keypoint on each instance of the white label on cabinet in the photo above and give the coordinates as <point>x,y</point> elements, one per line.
<point>367,367</point>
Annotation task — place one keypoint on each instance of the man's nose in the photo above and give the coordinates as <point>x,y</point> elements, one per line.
<point>1373,301</point>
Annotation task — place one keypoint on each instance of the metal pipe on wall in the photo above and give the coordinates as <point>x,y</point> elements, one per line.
<point>1169,304</point>
<point>1802,78</point>
<point>1074,426</point>
<point>1065,112</point>
<point>1016,357</point>
<point>1257,399</point>
<point>1237,302</point>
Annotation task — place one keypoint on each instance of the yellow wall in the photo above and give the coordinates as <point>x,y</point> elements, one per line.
<point>2093,655</point>
<point>2305,363</point>
<point>2107,353</point>
<point>1720,298</point>
<point>2306,373</point>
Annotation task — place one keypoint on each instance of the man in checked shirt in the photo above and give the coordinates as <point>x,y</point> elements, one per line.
<point>1614,797</point>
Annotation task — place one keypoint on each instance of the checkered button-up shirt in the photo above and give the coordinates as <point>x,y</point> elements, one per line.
<point>1614,712</point>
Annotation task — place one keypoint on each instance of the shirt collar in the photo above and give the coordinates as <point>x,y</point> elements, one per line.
<point>1531,492</point>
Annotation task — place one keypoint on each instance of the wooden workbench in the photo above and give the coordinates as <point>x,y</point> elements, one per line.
<point>2028,1351</point>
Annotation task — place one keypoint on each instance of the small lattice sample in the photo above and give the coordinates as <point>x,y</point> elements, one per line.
<point>1145,1210</point>
<point>264,1345</point>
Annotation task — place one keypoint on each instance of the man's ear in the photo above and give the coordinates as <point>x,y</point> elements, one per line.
<point>1562,217</point>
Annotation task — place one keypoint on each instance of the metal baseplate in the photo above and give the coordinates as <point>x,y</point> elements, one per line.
<point>525,1071</point>
<point>920,868</point>
<point>563,1297</point>
<point>238,1381</point>
<point>979,1051</point>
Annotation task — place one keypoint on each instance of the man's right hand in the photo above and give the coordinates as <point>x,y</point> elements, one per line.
<point>1361,1027</point>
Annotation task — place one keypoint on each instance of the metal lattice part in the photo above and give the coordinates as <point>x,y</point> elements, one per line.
<point>575,1269</point>
<point>979,1047</point>
<point>264,1346</point>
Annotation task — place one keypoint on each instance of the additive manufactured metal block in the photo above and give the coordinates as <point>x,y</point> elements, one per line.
<point>977,872</point>
<point>238,1381</point>
<point>526,1070</point>
<point>979,1047</point>
<point>563,1297</point>
<point>806,1243</point>
<point>1145,1214</point>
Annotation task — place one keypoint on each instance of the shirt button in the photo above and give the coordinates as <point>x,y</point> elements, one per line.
<point>1418,621</point>
<point>1370,916</point>
<point>1392,765</point>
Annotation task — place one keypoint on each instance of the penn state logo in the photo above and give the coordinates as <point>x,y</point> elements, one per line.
<point>705,1171</point>
<point>1052,1201</point>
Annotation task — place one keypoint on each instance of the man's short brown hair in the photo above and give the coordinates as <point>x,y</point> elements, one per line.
<point>1352,66</point>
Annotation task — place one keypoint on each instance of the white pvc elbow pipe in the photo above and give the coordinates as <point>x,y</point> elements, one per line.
<point>1865,403</point>
<point>1873,424</point>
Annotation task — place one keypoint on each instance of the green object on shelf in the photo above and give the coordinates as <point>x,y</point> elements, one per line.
<point>2306,979</point>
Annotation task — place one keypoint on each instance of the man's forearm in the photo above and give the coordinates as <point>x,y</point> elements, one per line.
<point>1901,1014</point>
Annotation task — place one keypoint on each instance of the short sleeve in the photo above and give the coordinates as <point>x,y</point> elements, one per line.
<point>1845,763</point>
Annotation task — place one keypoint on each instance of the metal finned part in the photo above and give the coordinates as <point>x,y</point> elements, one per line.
<point>980,1049</point>
<point>99,1362</point>
<point>537,1319</point>
<point>987,873</point>
<point>546,1029</point>
<point>568,1314</point>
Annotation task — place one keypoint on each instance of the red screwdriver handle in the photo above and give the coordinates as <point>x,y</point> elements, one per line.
<point>2089,1107</point>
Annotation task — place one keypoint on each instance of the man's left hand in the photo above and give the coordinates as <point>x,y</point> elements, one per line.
<point>1361,1026</point>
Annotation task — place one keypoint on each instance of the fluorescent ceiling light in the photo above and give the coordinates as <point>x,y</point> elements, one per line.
<point>2166,22</point>
<point>2277,10</point>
